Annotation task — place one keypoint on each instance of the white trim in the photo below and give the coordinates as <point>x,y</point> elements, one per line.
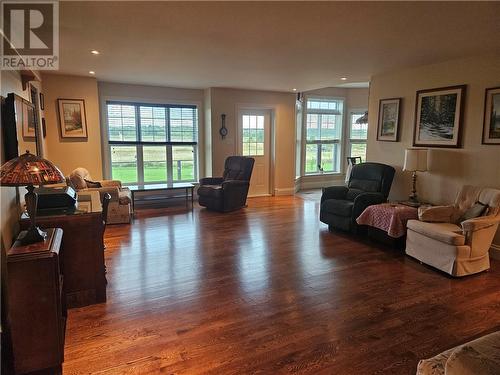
<point>284,191</point>
<point>273,119</point>
<point>495,251</point>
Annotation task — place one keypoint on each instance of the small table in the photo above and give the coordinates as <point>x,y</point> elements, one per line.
<point>389,217</point>
<point>187,187</point>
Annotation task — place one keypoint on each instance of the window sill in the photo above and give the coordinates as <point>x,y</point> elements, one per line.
<point>323,174</point>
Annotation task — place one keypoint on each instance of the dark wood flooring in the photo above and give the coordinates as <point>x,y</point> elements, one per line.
<point>268,290</point>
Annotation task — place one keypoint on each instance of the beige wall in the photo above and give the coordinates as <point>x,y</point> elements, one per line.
<point>10,82</point>
<point>449,168</point>
<point>283,106</point>
<point>150,94</point>
<point>69,154</point>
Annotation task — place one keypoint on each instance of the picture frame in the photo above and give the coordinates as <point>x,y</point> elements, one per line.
<point>72,118</point>
<point>388,120</point>
<point>44,128</point>
<point>28,120</point>
<point>491,120</point>
<point>42,101</point>
<point>439,117</point>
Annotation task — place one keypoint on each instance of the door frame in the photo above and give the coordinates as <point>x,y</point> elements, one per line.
<point>272,122</point>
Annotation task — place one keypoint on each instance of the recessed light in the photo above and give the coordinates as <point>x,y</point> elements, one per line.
<point>91,72</point>
<point>344,78</point>
<point>95,52</point>
<point>294,89</point>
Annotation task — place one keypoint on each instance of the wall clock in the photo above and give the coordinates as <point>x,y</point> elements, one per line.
<point>223,129</point>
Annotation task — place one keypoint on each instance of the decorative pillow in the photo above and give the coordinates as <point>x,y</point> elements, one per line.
<point>476,210</point>
<point>92,184</point>
<point>77,181</point>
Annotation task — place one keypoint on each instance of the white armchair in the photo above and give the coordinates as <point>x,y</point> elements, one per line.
<point>458,248</point>
<point>119,211</point>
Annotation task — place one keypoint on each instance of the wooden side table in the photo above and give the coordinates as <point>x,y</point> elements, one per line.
<point>36,309</point>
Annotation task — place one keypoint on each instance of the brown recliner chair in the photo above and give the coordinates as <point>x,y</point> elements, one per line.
<point>229,192</point>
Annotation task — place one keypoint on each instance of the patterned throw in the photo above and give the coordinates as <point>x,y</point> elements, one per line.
<point>389,217</point>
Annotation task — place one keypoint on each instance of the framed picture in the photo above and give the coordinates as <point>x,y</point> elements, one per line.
<point>28,120</point>
<point>438,117</point>
<point>491,122</point>
<point>44,128</point>
<point>388,120</point>
<point>42,102</point>
<point>72,119</point>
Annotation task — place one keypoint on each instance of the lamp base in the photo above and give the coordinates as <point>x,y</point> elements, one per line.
<point>32,235</point>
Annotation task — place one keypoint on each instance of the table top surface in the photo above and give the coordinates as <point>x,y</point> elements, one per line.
<point>149,187</point>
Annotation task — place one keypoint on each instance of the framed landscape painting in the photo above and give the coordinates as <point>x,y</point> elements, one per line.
<point>388,120</point>
<point>491,123</point>
<point>438,117</point>
<point>72,119</point>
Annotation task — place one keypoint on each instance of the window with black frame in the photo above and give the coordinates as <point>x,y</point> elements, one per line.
<point>150,143</point>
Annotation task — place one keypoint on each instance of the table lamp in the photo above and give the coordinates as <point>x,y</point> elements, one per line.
<point>415,160</point>
<point>29,170</point>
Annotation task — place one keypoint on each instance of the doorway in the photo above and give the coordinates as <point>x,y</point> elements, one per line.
<point>254,140</point>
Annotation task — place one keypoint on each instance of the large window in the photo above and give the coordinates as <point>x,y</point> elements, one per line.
<point>357,136</point>
<point>152,143</point>
<point>323,146</point>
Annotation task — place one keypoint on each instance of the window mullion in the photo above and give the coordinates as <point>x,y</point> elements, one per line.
<point>140,164</point>
<point>170,162</point>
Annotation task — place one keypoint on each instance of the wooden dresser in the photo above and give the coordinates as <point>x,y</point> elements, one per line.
<point>82,252</point>
<point>36,310</point>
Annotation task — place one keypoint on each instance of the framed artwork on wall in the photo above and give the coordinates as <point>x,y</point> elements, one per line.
<point>72,119</point>
<point>438,117</point>
<point>388,120</point>
<point>491,122</point>
<point>28,120</point>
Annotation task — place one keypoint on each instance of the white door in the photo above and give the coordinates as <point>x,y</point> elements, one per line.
<point>255,141</point>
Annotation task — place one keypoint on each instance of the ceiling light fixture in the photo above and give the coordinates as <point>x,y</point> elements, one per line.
<point>294,89</point>
<point>95,52</point>
<point>344,78</point>
<point>91,72</point>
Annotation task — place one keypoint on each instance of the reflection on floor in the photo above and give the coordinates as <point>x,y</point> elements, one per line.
<point>268,290</point>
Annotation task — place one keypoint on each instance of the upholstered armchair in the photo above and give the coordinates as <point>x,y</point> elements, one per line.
<point>443,240</point>
<point>368,184</point>
<point>229,192</point>
<point>119,205</point>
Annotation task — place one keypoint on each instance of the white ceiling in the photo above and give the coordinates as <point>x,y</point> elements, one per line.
<point>269,46</point>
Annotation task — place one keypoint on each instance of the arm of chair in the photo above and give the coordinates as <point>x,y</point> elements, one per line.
<point>364,200</point>
<point>436,214</point>
<point>479,233</point>
<point>229,184</point>
<point>211,181</point>
<point>111,190</point>
<point>334,192</point>
<point>111,183</point>
<point>479,223</point>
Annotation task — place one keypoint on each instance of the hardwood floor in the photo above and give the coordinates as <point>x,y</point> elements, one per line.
<point>268,290</point>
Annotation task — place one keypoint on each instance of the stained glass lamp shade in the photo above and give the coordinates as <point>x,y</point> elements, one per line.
<point>29,170</point>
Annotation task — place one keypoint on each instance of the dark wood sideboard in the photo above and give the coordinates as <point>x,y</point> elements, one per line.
<point>36,311</point>
<point>82,254</point>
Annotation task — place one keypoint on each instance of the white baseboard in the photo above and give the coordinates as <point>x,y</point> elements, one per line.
<point>495,251</point>
<point>284,191</point>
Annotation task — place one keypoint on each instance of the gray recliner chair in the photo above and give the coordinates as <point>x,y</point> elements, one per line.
<point>369,184</point>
